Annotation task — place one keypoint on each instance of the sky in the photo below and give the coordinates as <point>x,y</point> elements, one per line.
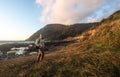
<point>19,19</point>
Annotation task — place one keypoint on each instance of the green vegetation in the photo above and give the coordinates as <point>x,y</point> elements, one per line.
<point>53,32</point>
<point>113,17</point>
<point>75,66</point>
<point>97,65</point>
<point>109,37</point>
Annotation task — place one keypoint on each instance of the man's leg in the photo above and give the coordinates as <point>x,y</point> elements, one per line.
<point>38,55</point>
<point>42,54</point>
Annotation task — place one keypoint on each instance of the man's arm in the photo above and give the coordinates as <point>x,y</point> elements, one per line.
<point>36,42</point>
<point>43,43</point>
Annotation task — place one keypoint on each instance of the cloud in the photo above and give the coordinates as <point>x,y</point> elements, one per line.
<point>70,11</point>
<point>118,6</point>
<point>104,12</point>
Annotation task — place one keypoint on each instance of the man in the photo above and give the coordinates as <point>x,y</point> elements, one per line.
<point>40,44</point>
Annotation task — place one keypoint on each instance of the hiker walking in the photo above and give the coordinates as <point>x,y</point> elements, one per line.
<point>40,44</point>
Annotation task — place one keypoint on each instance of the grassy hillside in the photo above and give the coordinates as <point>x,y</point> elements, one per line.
<point>59,32</point>
<point>107,35</point>
<point>95,53</point>
<point>50,31</point>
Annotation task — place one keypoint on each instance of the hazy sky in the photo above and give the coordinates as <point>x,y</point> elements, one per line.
<point>19,19</point>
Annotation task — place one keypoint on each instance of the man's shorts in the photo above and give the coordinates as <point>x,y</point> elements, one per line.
<point>41,48</point>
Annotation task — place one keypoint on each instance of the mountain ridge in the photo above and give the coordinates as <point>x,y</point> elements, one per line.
<point>58,31</point>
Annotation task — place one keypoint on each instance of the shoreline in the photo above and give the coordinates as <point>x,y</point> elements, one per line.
<point>49,47</point>
<point>12,42</point>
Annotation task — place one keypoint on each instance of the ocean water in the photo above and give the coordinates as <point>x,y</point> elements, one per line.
<point>17,50</point>
<point>19,42</point>
<point>14,51</point>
